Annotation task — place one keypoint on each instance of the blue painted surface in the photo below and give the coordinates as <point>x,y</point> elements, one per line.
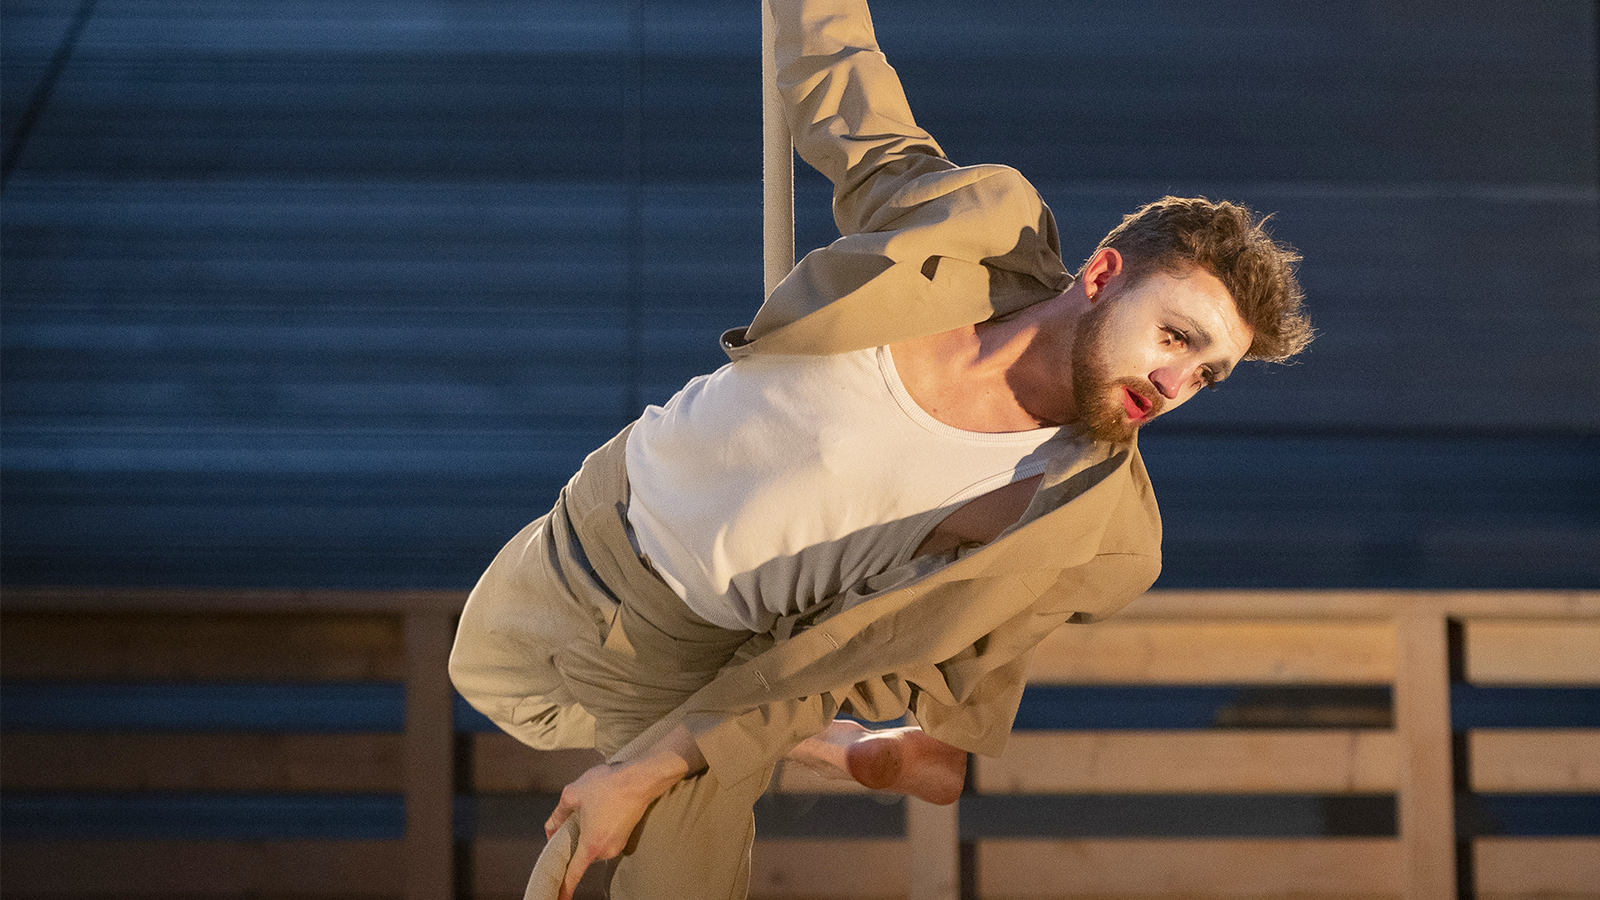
<point>1473,706</point>
<point>310,296</point>
<point>470,720</point>
<point>201,817</point>
<point>326,708</point>
<point>1529,815</point>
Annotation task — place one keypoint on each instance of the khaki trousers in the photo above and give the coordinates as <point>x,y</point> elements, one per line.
<point>569,641</point>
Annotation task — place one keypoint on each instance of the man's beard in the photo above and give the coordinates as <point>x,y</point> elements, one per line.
<point>1097,395</point>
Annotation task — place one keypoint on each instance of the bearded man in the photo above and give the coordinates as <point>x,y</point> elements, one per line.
<point>920,461</point>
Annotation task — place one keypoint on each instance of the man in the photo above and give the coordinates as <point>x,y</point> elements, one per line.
<point>919,463</point>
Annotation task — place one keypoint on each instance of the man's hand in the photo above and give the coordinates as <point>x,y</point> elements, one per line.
<point>609,800</point>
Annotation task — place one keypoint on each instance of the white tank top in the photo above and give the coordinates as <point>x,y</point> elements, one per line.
<point>777,481</point>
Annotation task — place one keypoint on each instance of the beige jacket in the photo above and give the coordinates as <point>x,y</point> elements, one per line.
<point>927,246</point>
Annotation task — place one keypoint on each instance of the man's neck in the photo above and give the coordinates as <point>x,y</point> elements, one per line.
<point>964,377</point>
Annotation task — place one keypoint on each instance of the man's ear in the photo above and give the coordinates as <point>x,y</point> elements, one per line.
<point>1104,265</point>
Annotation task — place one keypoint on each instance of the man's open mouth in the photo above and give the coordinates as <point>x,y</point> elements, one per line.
<point>1137,404</point>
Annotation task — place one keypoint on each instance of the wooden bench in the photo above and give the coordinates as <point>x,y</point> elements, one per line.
<point>341,729</point>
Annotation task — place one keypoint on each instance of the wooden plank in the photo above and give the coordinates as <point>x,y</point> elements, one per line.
<point>792,869</point>
<point>429,757</point>
<point>1425,801</point>
<point>1197,652</point>
<point>1564,868</point>
<point>216,644</point>
<point>1358,604</point>
<point>1344,868</point>
<point>502,764</point>
<point>130,869</point>
<point>364,763</point>
<point>1523,652</point>
<point>238,600</point>
<point>1551,760</point>
<point>934,833</point>
<point>1343,761</point>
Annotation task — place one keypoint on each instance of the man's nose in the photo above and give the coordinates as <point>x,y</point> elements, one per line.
<point>1168,381</point>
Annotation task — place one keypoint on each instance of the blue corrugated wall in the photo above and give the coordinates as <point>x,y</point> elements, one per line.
<point>339,293</point>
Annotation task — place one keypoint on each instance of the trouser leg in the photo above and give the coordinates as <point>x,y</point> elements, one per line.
<point>521,615</point>
<point>694,844</point>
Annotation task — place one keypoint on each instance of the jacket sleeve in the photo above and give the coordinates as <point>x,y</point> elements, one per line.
<point>924,241</point>
<point>847,112</point>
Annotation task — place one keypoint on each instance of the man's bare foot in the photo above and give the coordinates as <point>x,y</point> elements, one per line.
<point>900,760</point>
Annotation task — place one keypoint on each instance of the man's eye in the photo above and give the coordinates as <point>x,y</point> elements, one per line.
<point>1209,379</point>
<point>1177,336</point>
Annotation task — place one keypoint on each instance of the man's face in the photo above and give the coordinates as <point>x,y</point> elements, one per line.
<point>1144,348</point>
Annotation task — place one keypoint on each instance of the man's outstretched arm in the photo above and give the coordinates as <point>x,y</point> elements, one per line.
<point>846,108</point>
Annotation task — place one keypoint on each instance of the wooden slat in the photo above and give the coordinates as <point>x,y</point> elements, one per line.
<point>429,756</point>
<point>210,643</point>
<point>1566,868</point>
<point>1345,761</point>
<point>151,869</point>
<point>1123,652</point>
<point>1343,868</point>
<point>1522,652</point>
<point>934,833</point>
<point>1552,760</point>
<point>1425,801</point>
<point>502,764</point>
<point>239,600</point>
<point>1358,604</point>
<point>363,763</point>
<point>797,869</point>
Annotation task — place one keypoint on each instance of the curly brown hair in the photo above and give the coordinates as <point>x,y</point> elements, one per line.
<point>1227,240</point>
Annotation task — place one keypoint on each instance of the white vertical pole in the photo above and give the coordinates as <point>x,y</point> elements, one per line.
<point>777,165</point>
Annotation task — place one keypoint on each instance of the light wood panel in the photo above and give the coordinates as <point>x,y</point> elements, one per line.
<point>1526,652</point>
<point>1249,604</point>
<point>1426,800</point>
<point>359,763</point>
<point>1551,760</point>
<point>1538,868</point>
<point>1344,868</point>
<point>1121,651</point>
<point>1354,761</point>
<point>934,833</point>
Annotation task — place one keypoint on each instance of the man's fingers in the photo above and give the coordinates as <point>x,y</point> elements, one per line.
<point>563,810</point>
<point>575,869</point>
